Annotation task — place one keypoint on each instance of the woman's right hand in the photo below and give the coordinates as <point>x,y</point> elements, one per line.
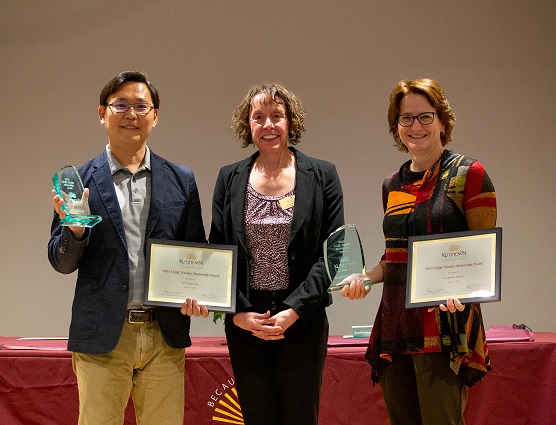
<point>359,283</point>
<point>260,325</point>
<point>355,287</point>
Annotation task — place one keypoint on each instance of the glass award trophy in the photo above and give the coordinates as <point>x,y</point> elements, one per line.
<point>343,257</point>
<point>69,187</point>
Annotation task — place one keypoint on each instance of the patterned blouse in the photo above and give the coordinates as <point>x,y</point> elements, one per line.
<point>267,229</point>
<point>455,194</point>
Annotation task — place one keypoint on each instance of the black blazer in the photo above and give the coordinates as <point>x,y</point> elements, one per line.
<point>101,292</point>
<point>318,211</point>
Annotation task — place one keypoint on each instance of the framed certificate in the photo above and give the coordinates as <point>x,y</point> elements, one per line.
<point>462,265</point>
<point>178,270</point>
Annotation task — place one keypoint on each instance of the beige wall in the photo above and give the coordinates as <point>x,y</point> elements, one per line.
<point>496,62</point>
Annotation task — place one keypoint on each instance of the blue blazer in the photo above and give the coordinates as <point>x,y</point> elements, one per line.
<point>101,292</point>
<point>318,210</point>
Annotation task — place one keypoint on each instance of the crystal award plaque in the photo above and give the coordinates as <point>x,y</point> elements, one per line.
<point>69,187</point>
<point>343,257</point>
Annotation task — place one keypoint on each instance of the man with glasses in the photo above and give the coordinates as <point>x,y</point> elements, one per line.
<point>121,347</point>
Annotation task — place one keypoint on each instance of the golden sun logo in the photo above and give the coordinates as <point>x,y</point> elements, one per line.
<point>191,256</point>
<point>230,412</point>
<point>454,248</point>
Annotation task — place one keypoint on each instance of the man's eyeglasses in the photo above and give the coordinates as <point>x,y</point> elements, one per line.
<point>425,118</point>
<point>141,108</point>
<point>274,119</point>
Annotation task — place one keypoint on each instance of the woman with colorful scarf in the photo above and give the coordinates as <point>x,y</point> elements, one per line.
<point>426,358</point>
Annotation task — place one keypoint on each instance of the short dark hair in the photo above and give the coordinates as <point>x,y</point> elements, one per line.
<point>434,94</point>
<point>272,93</point>
<point>126,77</point>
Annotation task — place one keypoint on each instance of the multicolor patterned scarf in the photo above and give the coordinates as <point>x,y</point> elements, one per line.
<point>454,195</point>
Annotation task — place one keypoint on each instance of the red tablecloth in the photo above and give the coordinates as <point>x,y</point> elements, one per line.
<point>37,385</point>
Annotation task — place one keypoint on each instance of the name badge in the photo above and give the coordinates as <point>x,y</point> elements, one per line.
<point>287,202</point>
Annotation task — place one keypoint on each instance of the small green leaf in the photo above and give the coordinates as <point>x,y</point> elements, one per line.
<point>218,315</point>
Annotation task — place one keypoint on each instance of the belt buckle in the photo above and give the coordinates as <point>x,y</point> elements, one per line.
<point>135,316</point>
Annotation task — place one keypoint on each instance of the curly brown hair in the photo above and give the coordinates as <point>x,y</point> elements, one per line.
<point>272,93</point>
<point>434,94</point>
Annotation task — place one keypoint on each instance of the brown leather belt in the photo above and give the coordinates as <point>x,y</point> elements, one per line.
<point>141,316</point>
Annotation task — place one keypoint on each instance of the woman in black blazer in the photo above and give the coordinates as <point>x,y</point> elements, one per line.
<point>278,206</point>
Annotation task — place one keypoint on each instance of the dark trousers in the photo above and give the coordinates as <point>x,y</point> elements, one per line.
<point>279,382</point>
<point>421,389</point>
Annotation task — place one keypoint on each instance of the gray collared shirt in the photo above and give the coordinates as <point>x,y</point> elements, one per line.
<point>134,196</point>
